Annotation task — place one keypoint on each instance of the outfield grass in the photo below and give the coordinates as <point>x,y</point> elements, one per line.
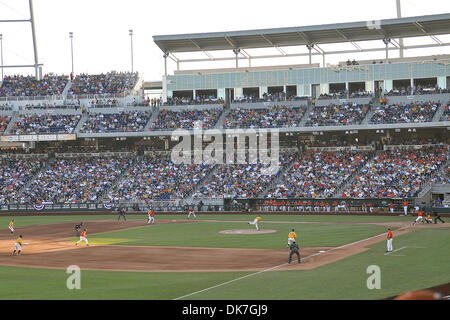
<point>28,283</point>
<point>409,268</point>
<point>206,234</point>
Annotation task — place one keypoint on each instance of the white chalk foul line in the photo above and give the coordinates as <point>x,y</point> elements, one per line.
<point>282,265</point>
<point>395,250</point>
<point>390,253</point>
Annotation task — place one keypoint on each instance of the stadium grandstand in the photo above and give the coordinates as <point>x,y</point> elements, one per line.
<point>374,131</point>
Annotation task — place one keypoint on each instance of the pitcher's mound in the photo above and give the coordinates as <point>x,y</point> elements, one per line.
<point>247,231</point>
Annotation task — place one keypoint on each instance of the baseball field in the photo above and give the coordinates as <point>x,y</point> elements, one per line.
<point>221,257</point>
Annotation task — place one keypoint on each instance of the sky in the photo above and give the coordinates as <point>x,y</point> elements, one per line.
<point>101,29</point>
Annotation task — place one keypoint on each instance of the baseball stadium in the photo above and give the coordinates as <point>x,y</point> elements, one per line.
<point>305,181</point>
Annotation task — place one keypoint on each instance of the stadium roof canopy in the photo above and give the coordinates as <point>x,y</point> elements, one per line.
<point>352,32</point>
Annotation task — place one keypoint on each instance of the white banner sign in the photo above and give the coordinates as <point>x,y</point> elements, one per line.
<point>40,137</point>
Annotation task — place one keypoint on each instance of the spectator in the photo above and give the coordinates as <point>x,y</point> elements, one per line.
<point>185,119</point>
<point>116,122</point>
<point>405,113</point>
<point>398,173</point>
<point>331,115</point>
<point>28,86</point>
<point>275,117</point>
<point>109,83</point>
<point>45,123</point>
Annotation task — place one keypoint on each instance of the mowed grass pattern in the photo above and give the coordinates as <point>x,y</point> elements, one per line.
<point>207,234</point>
<point>413,268</point>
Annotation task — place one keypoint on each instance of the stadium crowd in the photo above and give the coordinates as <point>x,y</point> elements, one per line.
<point>45,123</point>
<point>332,115</point>
<point>301,174</point>
<point>443,177</point>
<point>4,121</point>
<point>116,122</point>
<point>199,100</point>
<point>446,114</point>
<point>78,180</point>
<point>14,175</point>
<point>184,119</point>
<point>28,86</point>
<point>240,180</point>
<point>110,82</point>
<point>274,117</point>
<point>405,113</point>
<point>397,173</point>
<point>318,173</point>
<point>157,178</point>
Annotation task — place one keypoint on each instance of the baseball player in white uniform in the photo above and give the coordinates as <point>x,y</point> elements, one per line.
<point>405,207</point>
<point>389,240</point>
<point>191,212</point>
<point>83,238</point>
<point>255,222</point>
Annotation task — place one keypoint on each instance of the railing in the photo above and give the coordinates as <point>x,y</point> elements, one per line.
<point>95,154</point>
<point>412,146</point>
<point>158,205</point>
<point>98,95</point>
<point>344,148</point>
<point>32,98</point>
<point>25,156</point>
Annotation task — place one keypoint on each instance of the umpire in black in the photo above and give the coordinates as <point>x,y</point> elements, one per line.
<point>294,249</point>
<point>437,217</point>
<point>121,214</point>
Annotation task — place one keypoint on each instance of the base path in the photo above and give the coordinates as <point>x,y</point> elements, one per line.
<point>49,248</point>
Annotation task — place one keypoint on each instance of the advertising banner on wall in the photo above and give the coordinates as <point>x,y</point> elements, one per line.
<point>39,137</point>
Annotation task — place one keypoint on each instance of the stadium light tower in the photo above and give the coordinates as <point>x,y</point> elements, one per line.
<point>37,66</point>
<point>399,15</point>
<point>131,37</point>
<point>71,47</point>
<point>33,33</point>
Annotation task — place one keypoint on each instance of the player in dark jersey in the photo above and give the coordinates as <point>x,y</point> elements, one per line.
<point>78,227</point>
<point>122,214</point>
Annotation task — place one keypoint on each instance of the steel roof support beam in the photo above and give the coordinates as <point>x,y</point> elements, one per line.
<point>327,52</point>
